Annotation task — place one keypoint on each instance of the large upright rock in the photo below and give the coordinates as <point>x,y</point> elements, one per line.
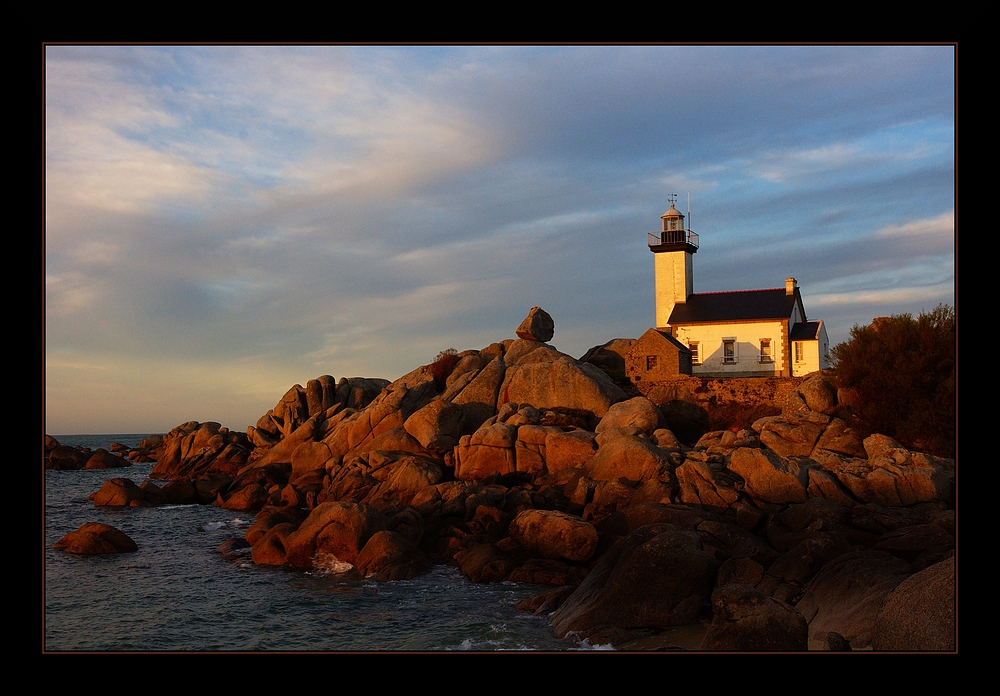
<point>537,326</point>
<point>793,435</point>
<point>629,457</point>
<point>340,529</point>
<point>64,457</point>
<point>119,492</point>
<point>562,384</point>
<point>746,620</point>
<point>436,426</point>
<point>819,393</point>
<point>554,534</point>
<point>771,478</point>
<point>299,404</point>
<point>846,594</point>
<point>479,399</point>
<point>102,459</point>
<point>893,481</point>
<point>488,451</point>
<point>389,556</point>
<point>638,412</point>
<point>658,575</point>
<point>920,613</point>
<point>610,357</point>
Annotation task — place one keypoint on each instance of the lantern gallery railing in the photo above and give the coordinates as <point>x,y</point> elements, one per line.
<point>673,237</point>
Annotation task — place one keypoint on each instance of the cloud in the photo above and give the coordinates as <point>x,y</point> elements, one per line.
<point>221,220</point>
<point>942,226</point>
<point>781,167</point>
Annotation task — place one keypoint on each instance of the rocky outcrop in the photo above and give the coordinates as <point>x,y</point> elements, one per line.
<point>657,576</point>
<point>562,384</point>
<point>630,457</point>
<point>63,457</point>
<point>638,413</point>
<point>517,462</point>
<point>337,529</point>
<point>746,620</point>
<point>299,404</point>
<point>845,596</point>
<point>96,538</point>
<point>194,449</point>
<point>610,356</point>
<point>123,492</point>
<point>390,556</point>
<point>554,534</point>
<point>437,426</point>
<point>919,614</point>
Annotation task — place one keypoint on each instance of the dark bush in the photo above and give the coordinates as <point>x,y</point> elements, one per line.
<point>443,366</point>
<point>901,373</point>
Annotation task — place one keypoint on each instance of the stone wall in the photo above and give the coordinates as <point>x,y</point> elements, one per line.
<point>708,391</point>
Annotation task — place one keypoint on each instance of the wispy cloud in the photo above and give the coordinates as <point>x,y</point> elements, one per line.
<point>221,220</point>
<point>941,226</point>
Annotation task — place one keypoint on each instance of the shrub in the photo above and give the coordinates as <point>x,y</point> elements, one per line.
<point>901,373</point>
<point>443,366</point>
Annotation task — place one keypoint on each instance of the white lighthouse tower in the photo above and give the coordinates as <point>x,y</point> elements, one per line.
<point>673,248</point>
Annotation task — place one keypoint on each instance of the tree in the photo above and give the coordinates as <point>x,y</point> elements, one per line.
<point>901,373</point>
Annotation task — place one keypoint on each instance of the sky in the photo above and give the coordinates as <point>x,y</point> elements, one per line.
<point>223,222</point>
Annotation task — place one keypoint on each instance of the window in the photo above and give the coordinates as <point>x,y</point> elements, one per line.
<point>765,350</point>
<point>729,355</point>
<point>800,352</point>
<point>650,362</point>
<point>693,345</point>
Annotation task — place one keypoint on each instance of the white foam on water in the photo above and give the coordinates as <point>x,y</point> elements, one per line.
<point>329,564</point>
<point>584,644</point>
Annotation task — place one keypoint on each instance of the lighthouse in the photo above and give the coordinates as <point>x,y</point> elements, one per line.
<point>736,333</point>
<point>673,247</point>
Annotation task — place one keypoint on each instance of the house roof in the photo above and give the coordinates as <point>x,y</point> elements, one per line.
<point>654,339</point>
<point>805,331</point>
<point>670,339</point>
<point>741,305</point>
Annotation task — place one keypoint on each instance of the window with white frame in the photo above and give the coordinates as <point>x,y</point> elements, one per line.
<point>729,351</point>
<point>695,355</point>
<point>765,351</point>
<point>800,352</point>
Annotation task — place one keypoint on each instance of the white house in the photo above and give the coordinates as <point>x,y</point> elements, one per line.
<point>744,333</point>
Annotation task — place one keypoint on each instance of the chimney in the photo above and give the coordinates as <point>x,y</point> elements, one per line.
<point>790,286</point>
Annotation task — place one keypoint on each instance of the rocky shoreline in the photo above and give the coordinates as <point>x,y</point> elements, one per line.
<point>518,462</point>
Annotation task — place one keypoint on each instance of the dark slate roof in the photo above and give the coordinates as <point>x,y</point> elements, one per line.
<point>804,331</point>
<point>680,346</point>
<point>741,305</point>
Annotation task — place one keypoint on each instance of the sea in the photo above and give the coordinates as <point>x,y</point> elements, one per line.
<point>178,594</point>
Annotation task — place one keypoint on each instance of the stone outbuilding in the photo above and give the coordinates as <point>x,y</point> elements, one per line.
<point>657,356</point>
